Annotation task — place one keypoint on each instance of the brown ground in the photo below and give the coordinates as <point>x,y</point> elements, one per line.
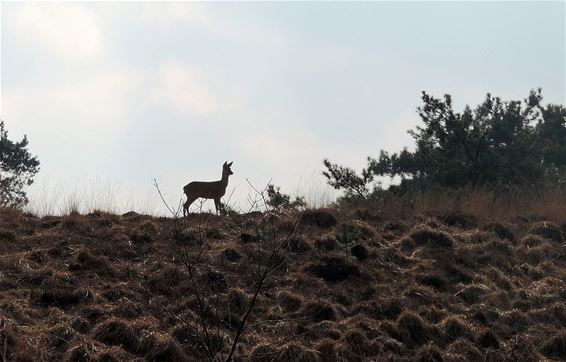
<point>356,286</point>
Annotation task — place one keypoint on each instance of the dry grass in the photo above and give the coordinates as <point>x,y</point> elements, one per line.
<point>543,203</point>
<point>372,282</point>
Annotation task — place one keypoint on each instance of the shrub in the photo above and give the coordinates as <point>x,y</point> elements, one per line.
<point>280,201</point>
<point>429,353</point>
<point>360,252</point>
<point>555,347</point>
<point>427,236</point>
<point>433,280</point>
<point>59,297</point>
<point>327,244</point>
<point>548,230</point>
<point>326,350</point>
<point>333,269</point>
<point>455,328</point>
<point>320,218</point>
<point>501,231</point>
<point>299,245</point>
<point>289,302</point>
<point>115,332</point>
<point>230,254</point>
<point>295,351</point>
<point>412,329</point>
<point>145,233</point>
<point>237,301</point>
<point>459,219</point>
<point>530,240</point>
<point>319,311</point>
<point>488,339</point>
<point>6,235</point>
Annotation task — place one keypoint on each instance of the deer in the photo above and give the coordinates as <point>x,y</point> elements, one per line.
<point>208,190</point>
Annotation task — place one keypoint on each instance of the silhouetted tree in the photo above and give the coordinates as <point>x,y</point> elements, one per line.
<point>17,169</point>
<point>497,143</point>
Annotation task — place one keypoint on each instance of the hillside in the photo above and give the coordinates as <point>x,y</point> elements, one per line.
<point>356,285</point>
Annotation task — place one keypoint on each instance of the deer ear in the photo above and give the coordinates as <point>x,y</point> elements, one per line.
<point>230,164</point>
<point>225,162</point>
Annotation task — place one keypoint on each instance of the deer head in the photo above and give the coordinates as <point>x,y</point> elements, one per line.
<point>226,171</point>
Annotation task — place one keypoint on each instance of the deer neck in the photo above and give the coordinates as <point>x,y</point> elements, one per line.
<point>224,180</point>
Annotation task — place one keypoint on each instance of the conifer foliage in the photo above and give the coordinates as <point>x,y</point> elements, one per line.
<point>17,169</point>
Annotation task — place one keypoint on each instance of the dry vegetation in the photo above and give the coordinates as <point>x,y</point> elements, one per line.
<point>381,281</point>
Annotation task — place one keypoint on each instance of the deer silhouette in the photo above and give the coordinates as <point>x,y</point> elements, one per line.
<point>207,190</point>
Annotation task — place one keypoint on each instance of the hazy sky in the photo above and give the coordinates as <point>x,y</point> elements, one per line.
<point>125,92</point>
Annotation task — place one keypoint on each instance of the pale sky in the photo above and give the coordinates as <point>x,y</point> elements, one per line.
<point>114,94</point>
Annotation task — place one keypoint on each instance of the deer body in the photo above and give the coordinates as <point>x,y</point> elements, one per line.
<point>207,190</point>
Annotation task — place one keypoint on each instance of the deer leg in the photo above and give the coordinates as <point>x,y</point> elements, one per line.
<point>188,203</point>
<point>217,205</point>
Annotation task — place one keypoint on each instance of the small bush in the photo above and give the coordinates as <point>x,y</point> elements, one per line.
<point>165,278</point>
<point>59,297</point>
<point>357,340</point>
<point>349,233</point>
<point>455,328</point>
<point>264,353</point>
<point>320,218</point>
<point>359,252</point>
<point>427,236</point>
<point>85,260</point>
<point>503,232</point>
<point>488,339</point>
<point>215,281</point>
<point>326,350</point>
<point>77,352</point>
<point>295,352</point>
<point>471,294</point>
<point>115,332</point>
<point>465,350</point>
<point>548,230</point>
<point>333,269</point>
<point>80,324</point>
<point>214,233</point>
<point>412,329</point>
<point>280,201</point>
<point>157,347</point>
<point>289,302</point>
<point>433,280</point>
<point>230,254</point>
<point>237,301</point>
<point>394,227</point>
<point>186,237</point>
<point>145,233</point>
<point>555,347</point>
<point>429,353</point>
<point>530,240</point>
<point>328,244</point>
<point>59,337</point>
<point>407,244</point>
<point>319,311</point>
<point>460,220</point>
<point>6,235</point>
<point>299,245</point>
<point>248,238</point>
